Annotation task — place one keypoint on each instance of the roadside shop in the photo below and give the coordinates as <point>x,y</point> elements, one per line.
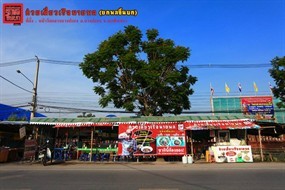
<point>213,138</point>
<point>220,140</point>
<point>12,140</point>
<point>86,141</point>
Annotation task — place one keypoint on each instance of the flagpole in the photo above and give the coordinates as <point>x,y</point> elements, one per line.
<point>211,98</point>
<point>212,106</point>
<point>270,87</point>
<point>227,88</point>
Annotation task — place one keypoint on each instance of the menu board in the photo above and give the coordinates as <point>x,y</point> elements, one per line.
<point>232,153</point>
<point>171,145</point>
<point>30,148</point>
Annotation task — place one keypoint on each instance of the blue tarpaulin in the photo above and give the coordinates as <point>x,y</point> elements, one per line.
<point>7,111</point>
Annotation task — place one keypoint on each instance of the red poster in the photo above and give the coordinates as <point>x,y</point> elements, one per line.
<point>259,105</point>
<point>151,139</point>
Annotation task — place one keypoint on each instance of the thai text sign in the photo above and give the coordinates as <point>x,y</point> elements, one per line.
<point>262,105</point>
<point>219,124</point>
<point>151,138</point>
<point>232,153</point>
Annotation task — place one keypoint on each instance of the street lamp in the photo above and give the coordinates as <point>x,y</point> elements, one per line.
<point>18,71</point>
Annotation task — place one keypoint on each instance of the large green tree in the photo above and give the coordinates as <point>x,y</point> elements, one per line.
<point>137,73</point>
<point>277,72</point>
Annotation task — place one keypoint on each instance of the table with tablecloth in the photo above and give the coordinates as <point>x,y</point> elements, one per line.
<point>97,150</point>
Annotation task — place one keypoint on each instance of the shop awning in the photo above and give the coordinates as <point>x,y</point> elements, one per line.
<point>190,122</point>
<point>73,125</point>
<point>220,124</point>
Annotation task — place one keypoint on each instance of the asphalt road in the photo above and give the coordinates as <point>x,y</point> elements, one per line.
<point>142,176</point>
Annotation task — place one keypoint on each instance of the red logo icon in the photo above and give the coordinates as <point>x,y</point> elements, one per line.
<point>13,13</point>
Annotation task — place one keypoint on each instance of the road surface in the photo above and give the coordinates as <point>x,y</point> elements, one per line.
<point>142,176</point>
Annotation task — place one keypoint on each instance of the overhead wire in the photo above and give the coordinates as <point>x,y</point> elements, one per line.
<point>19,62</point>
<point>79,103</point>
<point>206,65</point>
<point>15,84</point>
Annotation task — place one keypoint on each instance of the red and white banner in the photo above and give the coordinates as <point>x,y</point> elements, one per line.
<point>83,124</point>
<point>219,124</point>
<point>151,138</point>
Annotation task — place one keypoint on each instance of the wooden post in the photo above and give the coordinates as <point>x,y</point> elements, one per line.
<point>260,145</point>
<point>245,136</point>
<point>57,129</point>
<point>191,142</point>
<point>78,139</point>
<point>66,137</point>
<point>91,145</point>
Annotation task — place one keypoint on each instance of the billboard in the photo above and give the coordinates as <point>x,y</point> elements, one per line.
<point>262,106</point>
<point>159,139</point>
<point>258,105</point>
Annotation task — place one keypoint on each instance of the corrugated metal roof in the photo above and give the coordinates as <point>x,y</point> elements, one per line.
<point>55,121</point>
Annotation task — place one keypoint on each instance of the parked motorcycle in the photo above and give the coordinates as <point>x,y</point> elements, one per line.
<point>45,153</point>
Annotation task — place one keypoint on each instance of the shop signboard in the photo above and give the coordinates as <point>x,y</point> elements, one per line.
<point>171,144</point>
<point>151,139</point>
<point>22,132</point>
<point>30,148</point>
<point>232,153</point>
<point>259,105</point>
<point>219,124</point>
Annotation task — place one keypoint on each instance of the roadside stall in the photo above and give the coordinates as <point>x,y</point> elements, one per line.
<point>141,140</point>
<point>225,140</point>
<point>86,141</point>
<point>12,140</point>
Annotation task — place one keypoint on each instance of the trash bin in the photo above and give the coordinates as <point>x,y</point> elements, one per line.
<point>4,152</point>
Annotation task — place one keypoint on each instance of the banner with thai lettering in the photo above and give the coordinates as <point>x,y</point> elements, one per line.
<point>220,124</point>
<point>259,105</point>
<point>232,153</point>
<point>151,139</point>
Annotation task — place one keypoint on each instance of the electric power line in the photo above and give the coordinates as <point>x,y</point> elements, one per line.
<point>200,66</point>
<point>15,84</point>
<point>19,62</point>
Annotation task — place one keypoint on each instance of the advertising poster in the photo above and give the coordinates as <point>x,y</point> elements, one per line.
<point>220,124</point>
<point>259,105</point>
<point>151,138</point>
<point>232,153</point>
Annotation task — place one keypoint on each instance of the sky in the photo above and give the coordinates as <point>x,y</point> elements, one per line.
<point>227,32</point>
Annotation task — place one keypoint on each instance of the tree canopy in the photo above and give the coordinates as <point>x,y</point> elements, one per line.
<point>277,72</point>
<point>136,73</point>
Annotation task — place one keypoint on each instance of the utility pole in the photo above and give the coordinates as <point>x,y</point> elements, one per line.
<point>35,89</point>
<point>34,102</point>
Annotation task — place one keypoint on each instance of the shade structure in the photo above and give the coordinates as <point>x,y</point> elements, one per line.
<point>7,111</point>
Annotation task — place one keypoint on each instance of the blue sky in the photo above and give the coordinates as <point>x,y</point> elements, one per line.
<point>217,32</point>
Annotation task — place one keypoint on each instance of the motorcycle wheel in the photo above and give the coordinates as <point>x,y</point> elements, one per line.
<point>44,161</point>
